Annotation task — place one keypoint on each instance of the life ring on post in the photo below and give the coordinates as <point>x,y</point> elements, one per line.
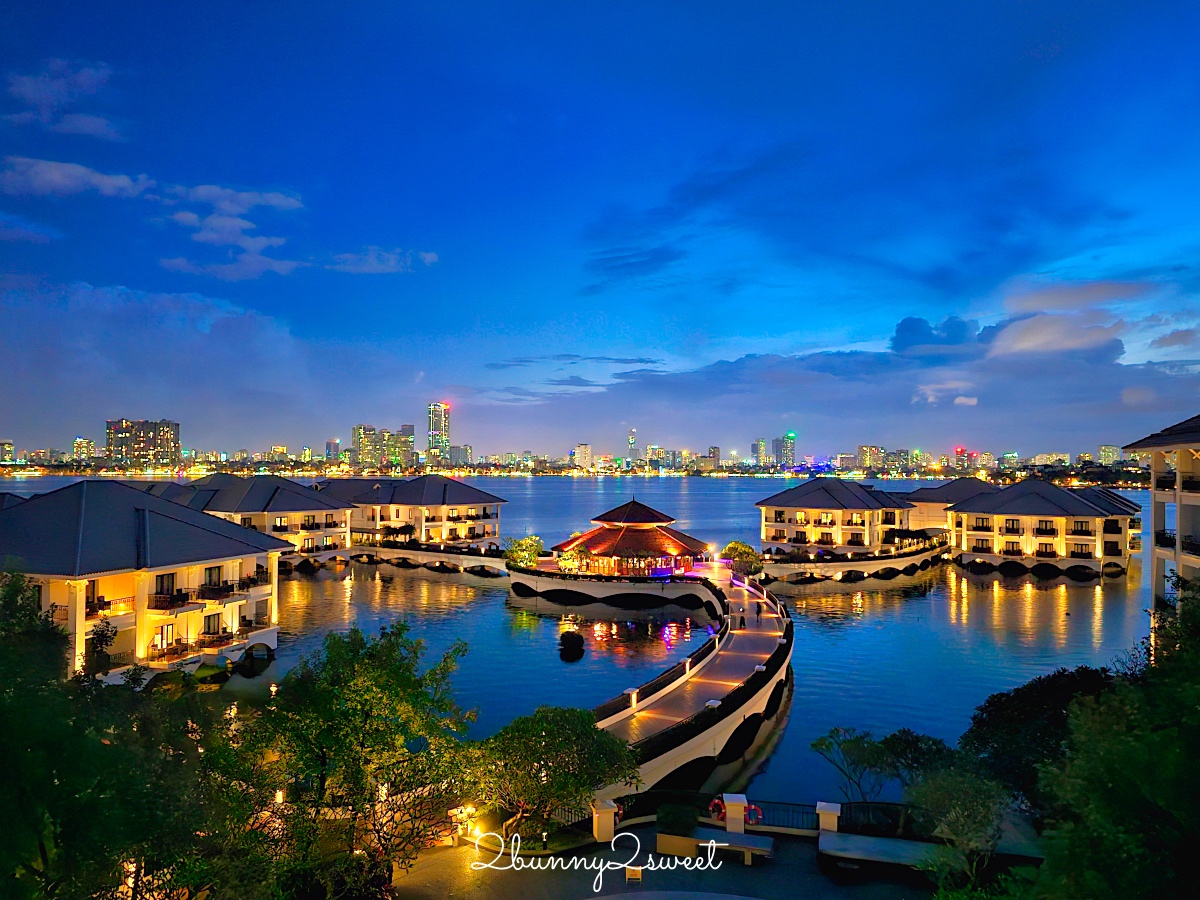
<point>754,815</point>
<point>716,809</point>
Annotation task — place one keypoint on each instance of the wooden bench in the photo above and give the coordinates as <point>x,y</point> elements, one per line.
<point>749,845</point>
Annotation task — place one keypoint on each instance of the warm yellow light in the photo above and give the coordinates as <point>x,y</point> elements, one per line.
<point>279,796</point>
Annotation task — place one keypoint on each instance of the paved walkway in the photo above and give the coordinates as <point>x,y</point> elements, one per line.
<point>733,663</point>
<point>445,874</point>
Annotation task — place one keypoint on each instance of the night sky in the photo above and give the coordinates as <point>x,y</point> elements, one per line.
<point>908,224</point>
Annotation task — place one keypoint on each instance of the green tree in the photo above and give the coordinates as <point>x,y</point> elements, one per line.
<point>20,605</point>
<point>1014,732</point>
<point>556,757</point>
<point>745,559</point>
<point>523,552</point>
<point>966,811</point>
<point>858,758</point>
<point>907,755</point>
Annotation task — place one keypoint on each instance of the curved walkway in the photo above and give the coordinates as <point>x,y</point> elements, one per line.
<point>733,663</point>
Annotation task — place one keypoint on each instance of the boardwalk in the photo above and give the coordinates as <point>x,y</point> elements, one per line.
<point>732,664</point>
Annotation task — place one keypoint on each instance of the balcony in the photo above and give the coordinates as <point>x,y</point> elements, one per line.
<point>335,524</point>
<point>1046,554</point>
<point>248,626</point>
<point>279,529</point>
<point>1190,545</point>
<point>1112,526</point>
<point>799,539</point>
<point>977,527</point>
<point>855,542</point>
<point>106,607</point>
<point>1135,524</point>
<point>167,602</point>
<point>982,548</point>
<point>889,518</point>
<point>824,541</point>
<point>1082,554</point>
<point>1165,482</point>
<point>212,641</point>
<point>1164,539</point>
<point>1013,551</point>
<point>1046,532</point>
<point>1012,529</point>
<point>853,523</point>
<point>1191,485</point>
<point>177,650</point>
<point>1081,532</point>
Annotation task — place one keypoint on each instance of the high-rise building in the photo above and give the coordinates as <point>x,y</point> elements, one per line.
<point>758,450</point>
<point>333,448</point>
<point>1009,459</point>
<point>7,451</point>
<point>788,450</point>
<point>439,429</point>
<point>962,458</point>
<point>306,454</point>
<point>987,461</point>
<point>399,447</point>
<point>143,442</point>
<point>279,453</point>
<point>365,443</point>
<point>714,453</point>
<point>1110,454</point>
<point>870,456</point>
<point>633,447</point>
<point>83,449</point>
<point>583,456</point>
<point>1082,459</point>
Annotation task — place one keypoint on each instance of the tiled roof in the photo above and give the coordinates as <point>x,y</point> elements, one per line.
<point>96,526</point>
<point>953,492</point>
<point>1034,497</point>
<point>833,493</point>
<point>223,493</point>
<point>426,490</point>
<point>1182,433</point>
<point>609,540</point>
<point>633,513</point>
<point>8,499</point>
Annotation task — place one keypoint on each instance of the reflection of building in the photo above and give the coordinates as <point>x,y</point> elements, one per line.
<point>632,539</point>
<point>180,586</point>
<point>143,442</point>
<point>432,509</point>
<point>830,513</point>
<point>1034,521</point>
<point>1175,482</point>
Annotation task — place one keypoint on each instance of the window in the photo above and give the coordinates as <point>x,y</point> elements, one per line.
<point>247,522</point>
<point>1012,548</point>
<point>779,517</point>
<point>1112,548</point>
<point>889,518</point>
<point>212,576</point>
<point>329,520</point>
<point>281,523</point>
<point>164,636</point>
<point>826,518</point>
<point>1012,526</point>
<point>471,512</point>
<point>212,623</point>
<point>165,583</point>
<point>856,518</point>
<point>310,522</point>
<point>982,524</point>
<point>1046,550</point>
<point>308,543</point>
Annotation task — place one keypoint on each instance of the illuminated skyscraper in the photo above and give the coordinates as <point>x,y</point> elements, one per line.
<point>439,429</point>
<point>788,450</point>
<point>633,450</point>
<point>144,442</point>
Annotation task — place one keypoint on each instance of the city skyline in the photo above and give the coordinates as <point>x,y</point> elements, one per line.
<point>958,224</point>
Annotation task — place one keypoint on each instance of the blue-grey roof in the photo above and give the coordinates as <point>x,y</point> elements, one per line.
<point>426,490</point>
<point>833,493</point>
<point>226,493</point>
<point>1034,497</point>
<point>99,525</point>
<point>8,499</point>
<point>952,492</point>
<point>1183,433</point>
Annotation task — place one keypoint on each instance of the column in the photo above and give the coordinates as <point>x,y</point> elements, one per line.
<point>77,622</point>
<point>735,813</point>
<point>141,618</point>
<point>827,815</point>
<point>273,600</point>
<point>604,820</point>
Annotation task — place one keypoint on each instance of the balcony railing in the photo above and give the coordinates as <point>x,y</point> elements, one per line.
<point>1081,532</point>
<point>1012,529</point>
<point>1112,526</point>
<point>1135,524</point>
<point>104,606</point>
<point>982,548</point>
<point>249,625</point>
<point>1045,532</point>
<point>855,542</point>
<point>1082,554</point>
<point>978,527</point>
<point>335,524</point>
<point>178,650</point>
<point>1190,545</point>
<point>1007,551</point>
<point>824,541</point>
<point>1165,482</point>
<point>1046,554</point>
<point>209,641</point>
<point>163,602</point>
<point>281,528</point>
<point>1191,485</point>
<point>799,539</point>
<point>216,591</point>
<point>853,523</point>
<point>1164,539</point>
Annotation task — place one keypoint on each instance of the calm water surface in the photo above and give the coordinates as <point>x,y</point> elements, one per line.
<point>922,655</point>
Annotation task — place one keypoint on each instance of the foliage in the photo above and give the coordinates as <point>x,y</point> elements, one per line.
<point>523,552</point>
<point>573,560</point>
<point>908,755</point>
<point>966,811</point>
<point>675,818</point>
<point>1014,732</point>
<point>858,758</point>
<point>20,605</point>
<point>556,757</point>
<point>745,559</point>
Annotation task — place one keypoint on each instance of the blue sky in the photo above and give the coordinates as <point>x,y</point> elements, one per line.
<point>910,224</point>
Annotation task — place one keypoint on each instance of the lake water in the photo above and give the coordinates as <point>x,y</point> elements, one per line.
<point>922,655</point>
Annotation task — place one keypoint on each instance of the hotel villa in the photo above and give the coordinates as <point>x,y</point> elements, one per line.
<point>432,509</point>
<point>632,540</point>
<point>1175,473</point>
<point>1035,523</point>
<point>309,521</point>
<point>826,514</point>
<point>180,586</point>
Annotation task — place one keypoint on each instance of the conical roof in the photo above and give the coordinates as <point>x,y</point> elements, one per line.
<point>633,513</point>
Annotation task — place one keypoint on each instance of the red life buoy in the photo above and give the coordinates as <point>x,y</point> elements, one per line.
<point>716,809</point>
<point>753,815</point>
<point>620,811</point>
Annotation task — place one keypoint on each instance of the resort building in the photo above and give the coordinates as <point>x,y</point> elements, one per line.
<point>432,509</point>
<point>308,520</point>
<point>834,515</point>
<point>1175,481</point>
<point>181,587</point>
<point>632,539</point>
<point>929,504</point>
<point>1034,522</point>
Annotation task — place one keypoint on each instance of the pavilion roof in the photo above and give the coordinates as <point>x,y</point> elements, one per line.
<point>633,513</point>
<point>624,541</point>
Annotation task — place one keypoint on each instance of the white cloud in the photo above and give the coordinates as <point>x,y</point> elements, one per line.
<point>932,393</point>
<point>42,176</point>
<point>373,261</point>
<point>966,401</point>
<point>242,267</point>
<point>61,84</point>
<point>428,258</point>
<point>87,124</point>
<point>235,203</point>
<point>1055,333</point>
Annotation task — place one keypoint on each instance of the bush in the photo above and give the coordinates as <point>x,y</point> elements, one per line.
<point>674,818</point>
<point>745,559</point>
